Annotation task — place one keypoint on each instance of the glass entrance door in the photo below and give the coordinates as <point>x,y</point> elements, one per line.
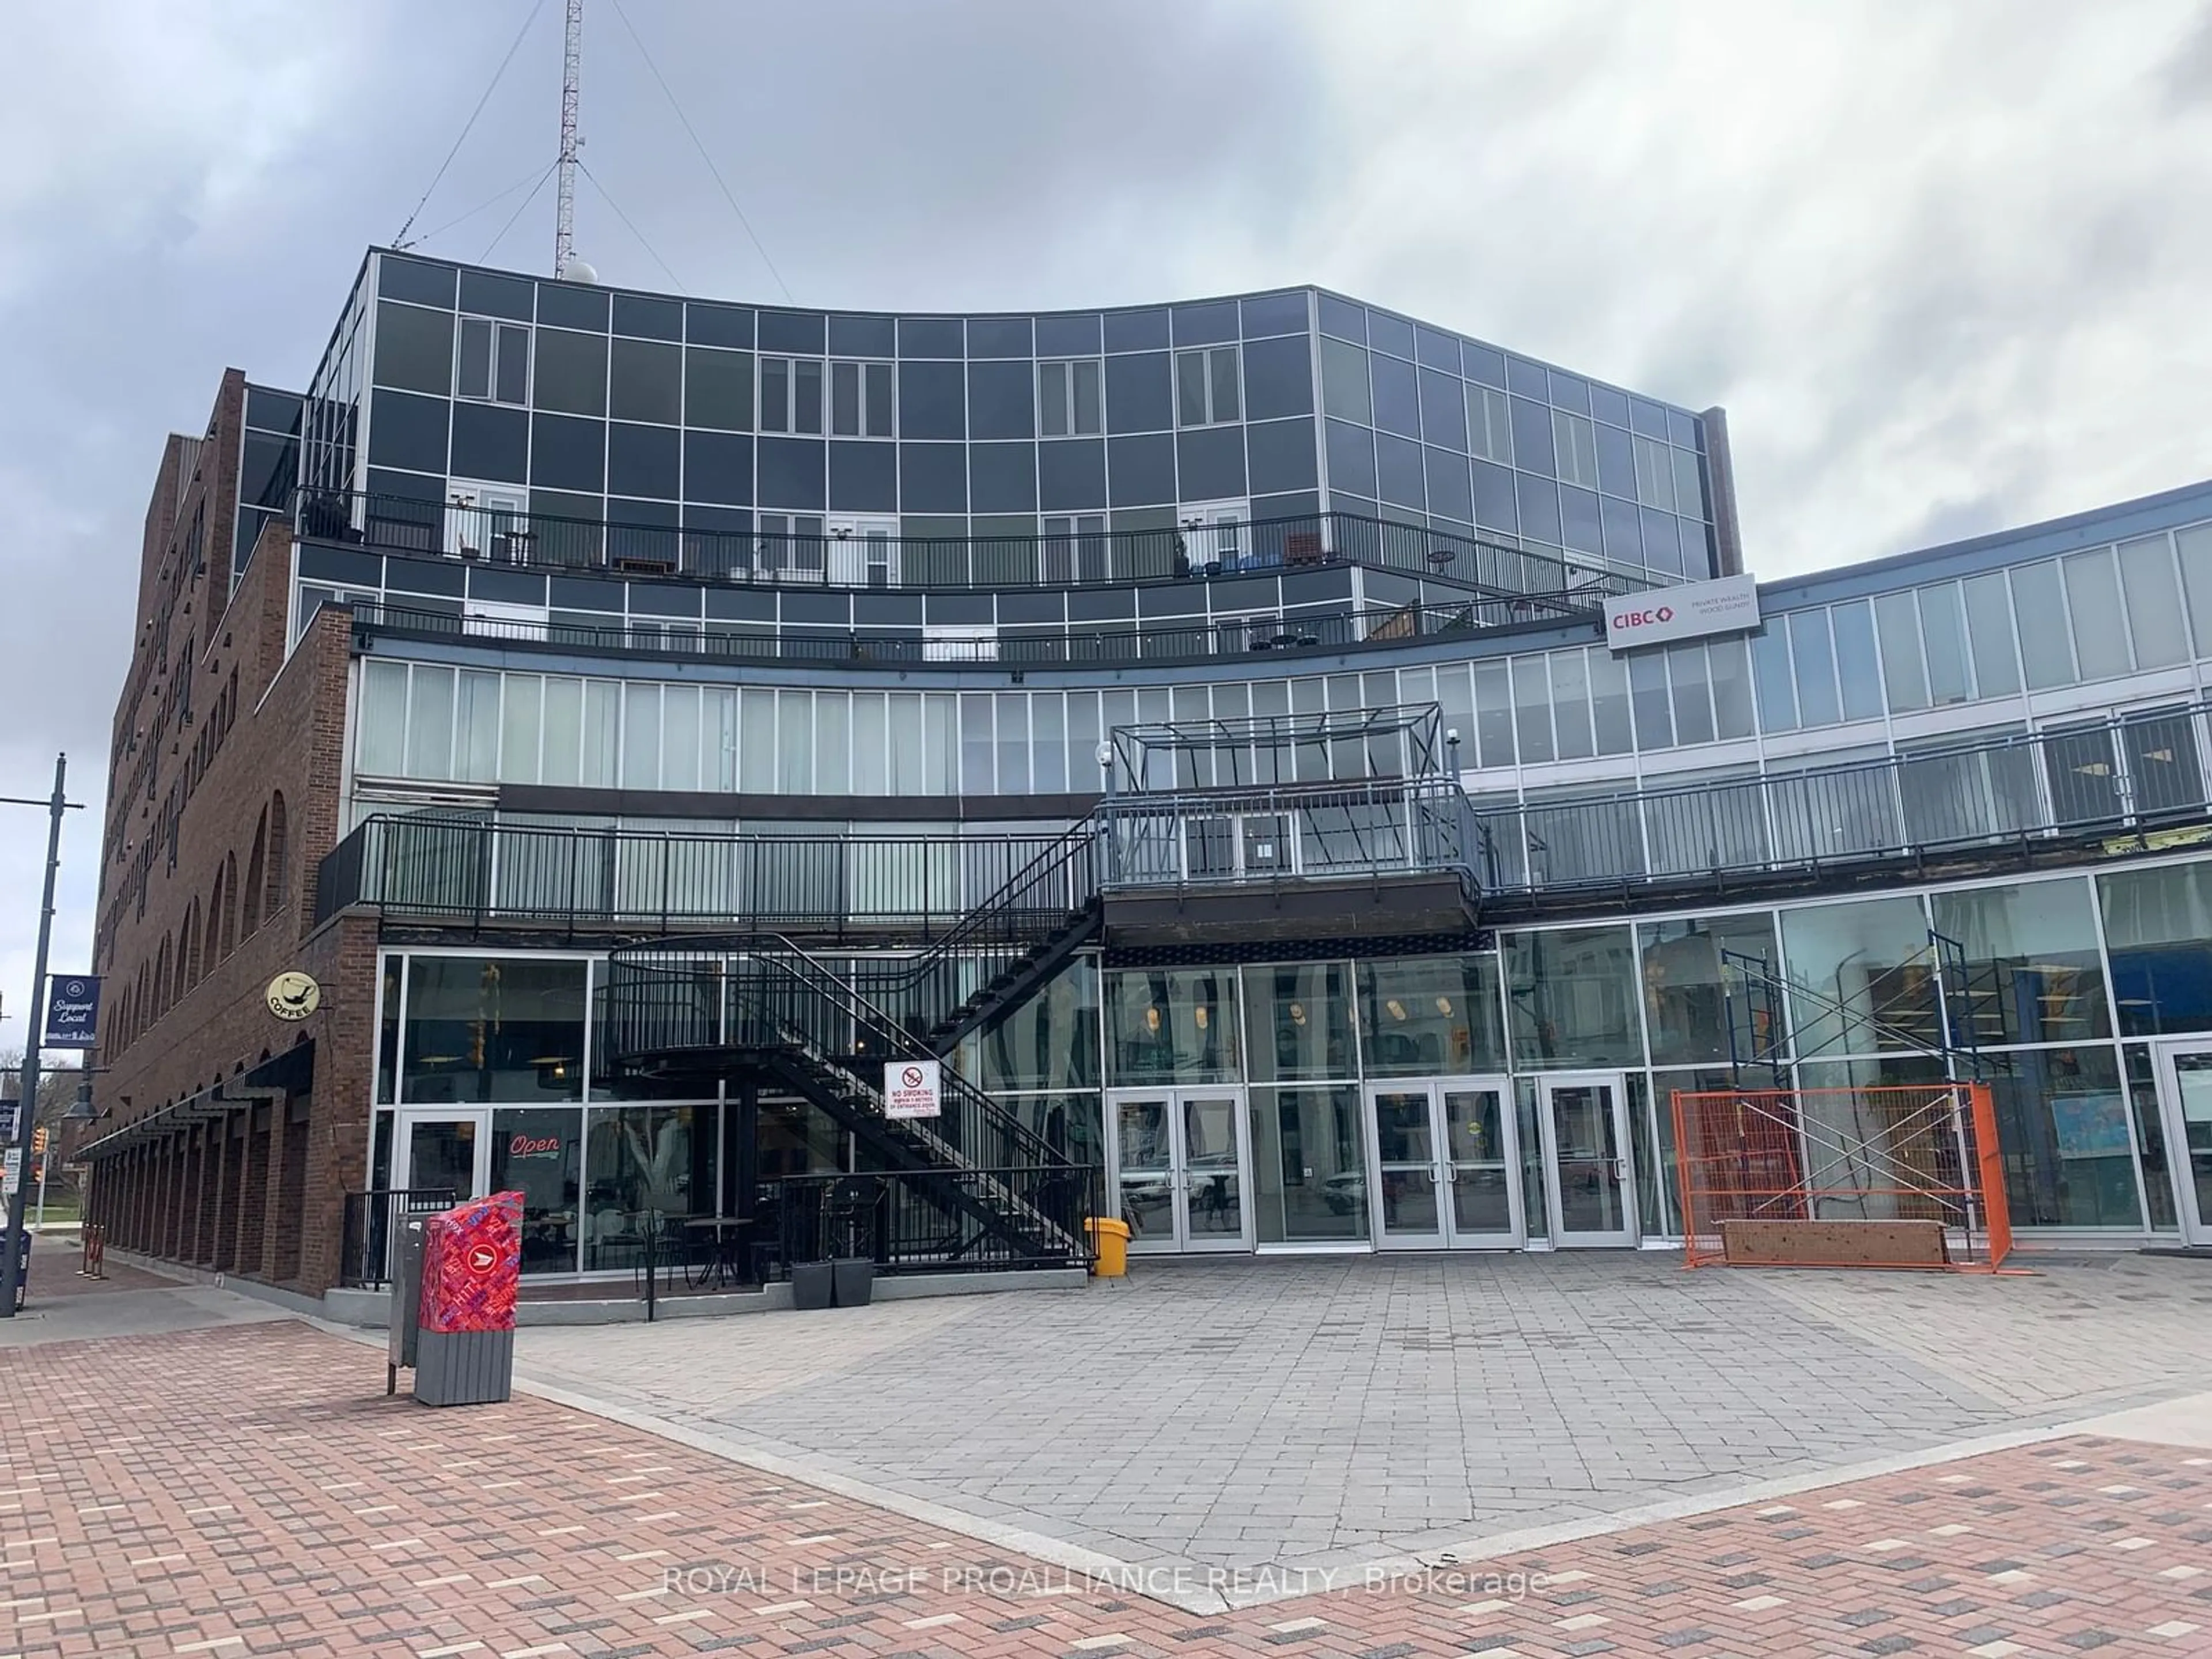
<point>445,1150</point>
<point>1583,1118</point>
<point>1444,1165</point>
<point>1181,1168</point>
<point>2185,1087</point>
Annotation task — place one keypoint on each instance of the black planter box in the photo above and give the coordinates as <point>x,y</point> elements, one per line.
<point>810,1284</point>
<point>855,1280</point>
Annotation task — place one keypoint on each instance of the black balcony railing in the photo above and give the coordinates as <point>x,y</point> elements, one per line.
<point>369,1222</point>
<point>2140,776</point>
<point>915,1221</point>
<point>468,870</point>
<point>1311,632</point>
<point>817,554</point>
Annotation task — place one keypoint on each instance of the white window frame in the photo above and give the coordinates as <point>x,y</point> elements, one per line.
<point>787,419</point>
<point>863,372</point>
<point>1489,424</point>
<point>1067,404</point>
<point>1211,414</point>
<point>1574,441</point>
<point>502,331</point>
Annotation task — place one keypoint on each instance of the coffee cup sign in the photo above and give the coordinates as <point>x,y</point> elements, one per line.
<point>913,1088</point>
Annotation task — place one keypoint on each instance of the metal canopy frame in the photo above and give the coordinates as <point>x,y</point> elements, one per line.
<point>274,1078</point>
<point>1265,750</point>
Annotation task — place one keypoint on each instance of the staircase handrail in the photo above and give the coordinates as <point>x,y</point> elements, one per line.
<point>823,981</point>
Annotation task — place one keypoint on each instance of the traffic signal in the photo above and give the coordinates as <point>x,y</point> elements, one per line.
<point>39,1142</point>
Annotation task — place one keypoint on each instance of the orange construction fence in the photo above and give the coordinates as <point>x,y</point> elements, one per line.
<point>1888,1175</point>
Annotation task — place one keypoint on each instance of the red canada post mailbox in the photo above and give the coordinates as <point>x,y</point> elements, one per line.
<point>471,1269</point>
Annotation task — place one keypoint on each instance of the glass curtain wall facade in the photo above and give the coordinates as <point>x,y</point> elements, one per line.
<point>657,414</point>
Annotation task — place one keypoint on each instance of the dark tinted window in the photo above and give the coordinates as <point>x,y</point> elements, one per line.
<point>1616,460</point>
<point>999,336</point>
<point>1495,507</point>
<point>486,294</point>
<point>1578,520</point>
<point>1140,471</point>
<point>1001,400</point>
<point>1397,395</point>
<point>863,478</point>
<point>1351,457</point>
<point>1392,334</point>
<point>414,348</point>
<point>1205,325</point>
<point>721,326</point>
<point>267,467</point>
<point>568,455</point>
<point>1343,318</point>
<point>931,337</point>
<point>1071,475</point>
<point>1606,404</point>
<point>791,473</point>
<point>863,336</point>
<point>933,401</point>
<point>565,305</point>
<point>1449,497</point>
<point>792,331</point>
<point>1683,430</point>
<point>648,319</point>
<point>1540,508</point>
<point>1443,410</point>
<point>1532,436</point>
<point>1623,537</point>
<point>1280,454</point>
<point>1398,469</point>
<point>1436,349</point>
<point>647,381</point>
<point>1647,417</point>
<point>1136,330</point>
<point>572,371</point>
<point>1210,464</point>
<point>1002,477</point>
<point>1481,363</point>
<point>932,477</point>
<point>1275,313</point>
<point>643,460</point>
<point>405,430</point>
<point>1570,393</point>
<point>1529,379</point>
<point>490,442</point>
<point>717,467</point>
<point>718,389</point>
<point>1139,395</point>
<point>410,279</point>
<point>1278,378</point>
<point>1067,336</point>
<point>272,412</point>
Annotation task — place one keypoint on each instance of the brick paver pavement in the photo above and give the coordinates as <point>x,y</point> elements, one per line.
<point>248,1490</point>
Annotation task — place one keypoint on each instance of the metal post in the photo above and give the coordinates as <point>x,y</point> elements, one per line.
<point>11,1273</point>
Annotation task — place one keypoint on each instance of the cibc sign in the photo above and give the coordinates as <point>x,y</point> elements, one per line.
<point>1691,611</point>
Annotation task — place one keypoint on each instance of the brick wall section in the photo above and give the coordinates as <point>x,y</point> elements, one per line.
<point>185,1197</point>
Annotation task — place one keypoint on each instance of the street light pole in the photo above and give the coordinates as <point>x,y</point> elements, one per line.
<point>11,1271</point>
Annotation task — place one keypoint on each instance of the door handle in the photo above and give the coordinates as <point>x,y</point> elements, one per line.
<point>1621,1170</point>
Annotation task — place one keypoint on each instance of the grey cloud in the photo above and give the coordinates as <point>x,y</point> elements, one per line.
<point>1937,260</point>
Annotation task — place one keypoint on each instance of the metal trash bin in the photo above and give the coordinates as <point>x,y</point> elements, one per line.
<point>400,1333</point>
<point>851,1227</point>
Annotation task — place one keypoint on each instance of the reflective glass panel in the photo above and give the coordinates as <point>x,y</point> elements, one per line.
<point>1308,1165</point>
<point>1862,977</point>
<point>1431,1016</point>
<point>2032,970</point>
<point>1172,1024</point>
<point>493,1029</point>
<point>1571,998</point>
<point>1300,1021</point>
<point>1688,1001</point>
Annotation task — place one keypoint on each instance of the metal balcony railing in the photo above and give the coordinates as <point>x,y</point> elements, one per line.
<point>457,868</point>
<point>2139,780</point>
<point>820,552</point>
<point>1074,645</point>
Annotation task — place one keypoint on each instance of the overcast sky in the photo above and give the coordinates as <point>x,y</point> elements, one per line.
<point>1947,266</point>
